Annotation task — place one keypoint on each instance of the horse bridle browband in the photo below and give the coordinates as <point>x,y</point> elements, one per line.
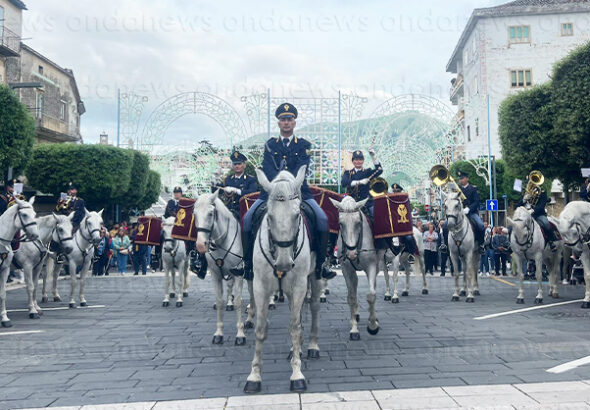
<point>23,225</point>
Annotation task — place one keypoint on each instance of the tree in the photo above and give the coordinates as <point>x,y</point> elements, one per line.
<point>17,132</point>
<point>139,180</point>
<point>152,190</point>
<point>570,91</point>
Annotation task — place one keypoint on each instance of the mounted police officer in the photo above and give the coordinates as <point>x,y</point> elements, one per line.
<point>585,190</point>
<point>356,180</point>
<point>172,205</point>
<point>7,198</point>
<point>540,215</point>
<point>288,152</point>
<point>471,210</point>
<point>172,208</point>
<point>234,187</point>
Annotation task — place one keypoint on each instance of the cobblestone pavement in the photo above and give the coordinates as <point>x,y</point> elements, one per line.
<point>127,348</point>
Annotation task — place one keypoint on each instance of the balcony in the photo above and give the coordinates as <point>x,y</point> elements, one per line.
<point>457,89</point>
<point>9,43</point>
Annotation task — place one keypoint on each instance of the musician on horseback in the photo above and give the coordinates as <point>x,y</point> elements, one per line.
<point>288,152</point>
<point>356,180</point>
<point>585,190</point>
<point>7,198</point>
<point>66,205</point>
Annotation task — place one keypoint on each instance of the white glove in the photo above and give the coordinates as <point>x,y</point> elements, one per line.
<point>364,181</point>
<point>232,190</point>
<point>466,211</point>
<point>354,183</point>
<point>373,156</point>
<point>531,211</point>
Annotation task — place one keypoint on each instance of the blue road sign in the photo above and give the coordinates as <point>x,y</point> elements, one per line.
<point>491,205</point>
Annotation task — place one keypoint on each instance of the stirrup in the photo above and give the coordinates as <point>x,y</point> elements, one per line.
<point>60,259</point>
<point>411,259</point>
<point>238,270</point>
<point>552,246</point>
<point>325,273</point>
<point>443,248</point>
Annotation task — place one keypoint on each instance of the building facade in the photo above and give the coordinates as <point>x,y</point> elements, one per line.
<point>506,49</point>
<point>11,12</point>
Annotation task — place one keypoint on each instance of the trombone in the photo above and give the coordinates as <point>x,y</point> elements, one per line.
<point>439,175</point>
<point>533,187</point>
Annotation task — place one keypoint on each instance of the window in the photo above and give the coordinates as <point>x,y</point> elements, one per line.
<point>567,29</point>
<point>41,69</point>
<point>62,110</point>
<point>468,133</point>
<point>40,103</point>
<point>519,34</point>
<point>477,127</point>
<point>520,78</point>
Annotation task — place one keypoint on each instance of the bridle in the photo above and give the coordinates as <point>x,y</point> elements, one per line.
<point>457,227</point>
<point>90,231</point>
<point>24,226</point>
<point>528,240</point>
<point>582,238</point>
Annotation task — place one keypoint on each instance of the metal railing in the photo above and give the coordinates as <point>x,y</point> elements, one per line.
<point>9,39</point>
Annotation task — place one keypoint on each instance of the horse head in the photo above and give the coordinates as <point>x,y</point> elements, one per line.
<point>25,218</point>
<point>169,243</point>
<point>351,224</point>
<point>62,233</point>
<point>205,214</point>
<point>573,225</point>
<point>522,223</point>
<point>453,207</point>
<point>283,217</point>
<point>92,224</point>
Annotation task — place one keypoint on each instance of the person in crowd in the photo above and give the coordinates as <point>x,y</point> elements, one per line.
<point>484,260</point>
<point>444,256</point>
<point>139,254</point>
<point>420,226</point>
<point>501,247</point>
<point>430,238</point>
<point>121,250</point>
<point>101,254</point>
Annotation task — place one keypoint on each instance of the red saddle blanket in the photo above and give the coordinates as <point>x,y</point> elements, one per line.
<point>15,244</point>
<point>184,225</point>
<point>393,216</point>
<point>554,229</point>
<point>149,229</point>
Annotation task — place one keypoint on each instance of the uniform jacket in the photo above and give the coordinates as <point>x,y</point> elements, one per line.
<point>77,206</point>
<point>246,183</point>
<point>359,192</point>
<point>584,194</point>
<point>277,158</point>
<point>471,198</point>
<point>171,208</point>
<point>5,199</point>
<point>540,207</point>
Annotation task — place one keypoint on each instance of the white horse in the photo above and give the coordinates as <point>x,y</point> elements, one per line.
<point>462,246</point>
<point>574,226</point>
<point>283,259</point>
<point>31,255</point>
<point>358,251</point>
<point>175,262</point>
<point>527,243</point>
<point>219,238</point>
<point>85,238</point>
<point>19,216</point>
<point>402,259</point>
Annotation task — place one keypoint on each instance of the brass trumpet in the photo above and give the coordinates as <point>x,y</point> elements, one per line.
<point>378,186</point>
<point>533,187</point>
<point>439,175</point>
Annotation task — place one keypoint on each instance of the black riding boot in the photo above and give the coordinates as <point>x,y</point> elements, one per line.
<point>321,271</point>
<point>198,264</point>
<point>444,247</point>
<point>248,249</point>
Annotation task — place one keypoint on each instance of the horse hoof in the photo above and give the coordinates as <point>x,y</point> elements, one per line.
<point>405,293</point>
<point>357,317</point>
<point>271,307</point>
<point>172,295</point>
<point>374,331</point>
<point>298,386</point>
<point>6,323</point>
<point>56,299</point>
<point>83,304</point>
<point>395,300</point>
<point>34,316</point>
<point>520,301</point>
<point>282,299</point>
<point>185,294</point>
<point>44,299</point>
<point>72,305</point>
<point>229,308</point>
<point>387,298</point>
<point>179,304</point>
<point>470,299</point>
<point>217,340</point>
<point>165,304</point>
<point>462,293</point>
<point>476,293</point>
<point>425,291</point>
<point>327,292</point>
<point>323,300</point>
<point>455,299</point>
<point>585,305</point>
<point>313,354</point>
<point>240,341</point>
<point>252,387</point>
<point>249,325</point>
<point>355,336</point>
<point>555,296</point>
<point>538,301</point>
<point>275,298</point>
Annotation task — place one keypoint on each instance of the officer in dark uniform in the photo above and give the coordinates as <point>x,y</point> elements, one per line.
<point>239,184</point>
<point>171,209</point>
<point>540,214</point>
<point>7,198</point>
<point>585,190</point>
<point>288,152</point>
<point>172,205</point>
<point>72,204</point>
<point>356,181</point>
<point>408,240</point>
<point>471,208</point>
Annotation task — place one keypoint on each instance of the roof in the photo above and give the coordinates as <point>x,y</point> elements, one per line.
<point>19,4</point>
<point>515,8</point>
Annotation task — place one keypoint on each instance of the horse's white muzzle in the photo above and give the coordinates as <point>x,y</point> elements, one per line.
<point>203,246</point>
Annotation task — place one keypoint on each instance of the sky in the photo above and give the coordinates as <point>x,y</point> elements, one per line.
<point>158,48</point>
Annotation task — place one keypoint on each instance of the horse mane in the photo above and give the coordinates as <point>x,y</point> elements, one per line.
<point>348,204</point>
<point>282,186</point>
<point>222,209</point>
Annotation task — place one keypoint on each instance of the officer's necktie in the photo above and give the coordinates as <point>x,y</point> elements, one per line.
<point>285,142</point>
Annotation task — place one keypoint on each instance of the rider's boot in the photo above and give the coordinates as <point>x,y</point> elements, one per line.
<point>60,258</point>
<point>552,246</point>
<point>322,271</point>
<point>411,259</point>
<point>248,249</point>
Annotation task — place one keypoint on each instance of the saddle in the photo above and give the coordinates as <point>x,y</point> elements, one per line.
<point>554,229</point>
<point>308,219</point>
<point>15,244</point>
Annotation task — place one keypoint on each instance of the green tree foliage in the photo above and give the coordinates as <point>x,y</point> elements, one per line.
<point>152,190</point>
<point>571,102</point>
<point>17,132</point>
<point>104,174</point>
<point>474,179</point>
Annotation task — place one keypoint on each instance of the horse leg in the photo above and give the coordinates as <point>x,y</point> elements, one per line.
<point>180,285</point>
<point>250,319</point>
<point>373,326</point>
<point>323,288</point>
<point>516,263</point>
<point>351,279</point>
<point>408,272</point>
<point>28,273</point>
<point>229,305</point>
<point>586,264</point>
<point>317,286</point>
<point>297,295</point>
<point>539,274</point>
<point>55,275</point>
<point>167,273</point>
<point>218,284</point>
<point>36,274</point>
<point>382,267</point>
<point>73,282</point>
<point>44,297</point>
<point>470,272</point>
<point>3,314</point>
<point>240,336</point>
<point>455,261</point>
<point>261,295</point>
<point>424,283</point>
<point>83,272</point>
<point>187,279</point>
<point>395,273</point>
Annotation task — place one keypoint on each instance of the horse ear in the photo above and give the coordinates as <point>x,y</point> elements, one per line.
<point>262,179</point>
<point>509,222</point>
<point>300,176</point>
<point>214,197</point>
<point>71,216</point>
<point>100,212</point>
<point>335,203</point>
<point>86,212</point>
<point>54,216</point>
<point>362,203</point>
<point>32,200</point>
